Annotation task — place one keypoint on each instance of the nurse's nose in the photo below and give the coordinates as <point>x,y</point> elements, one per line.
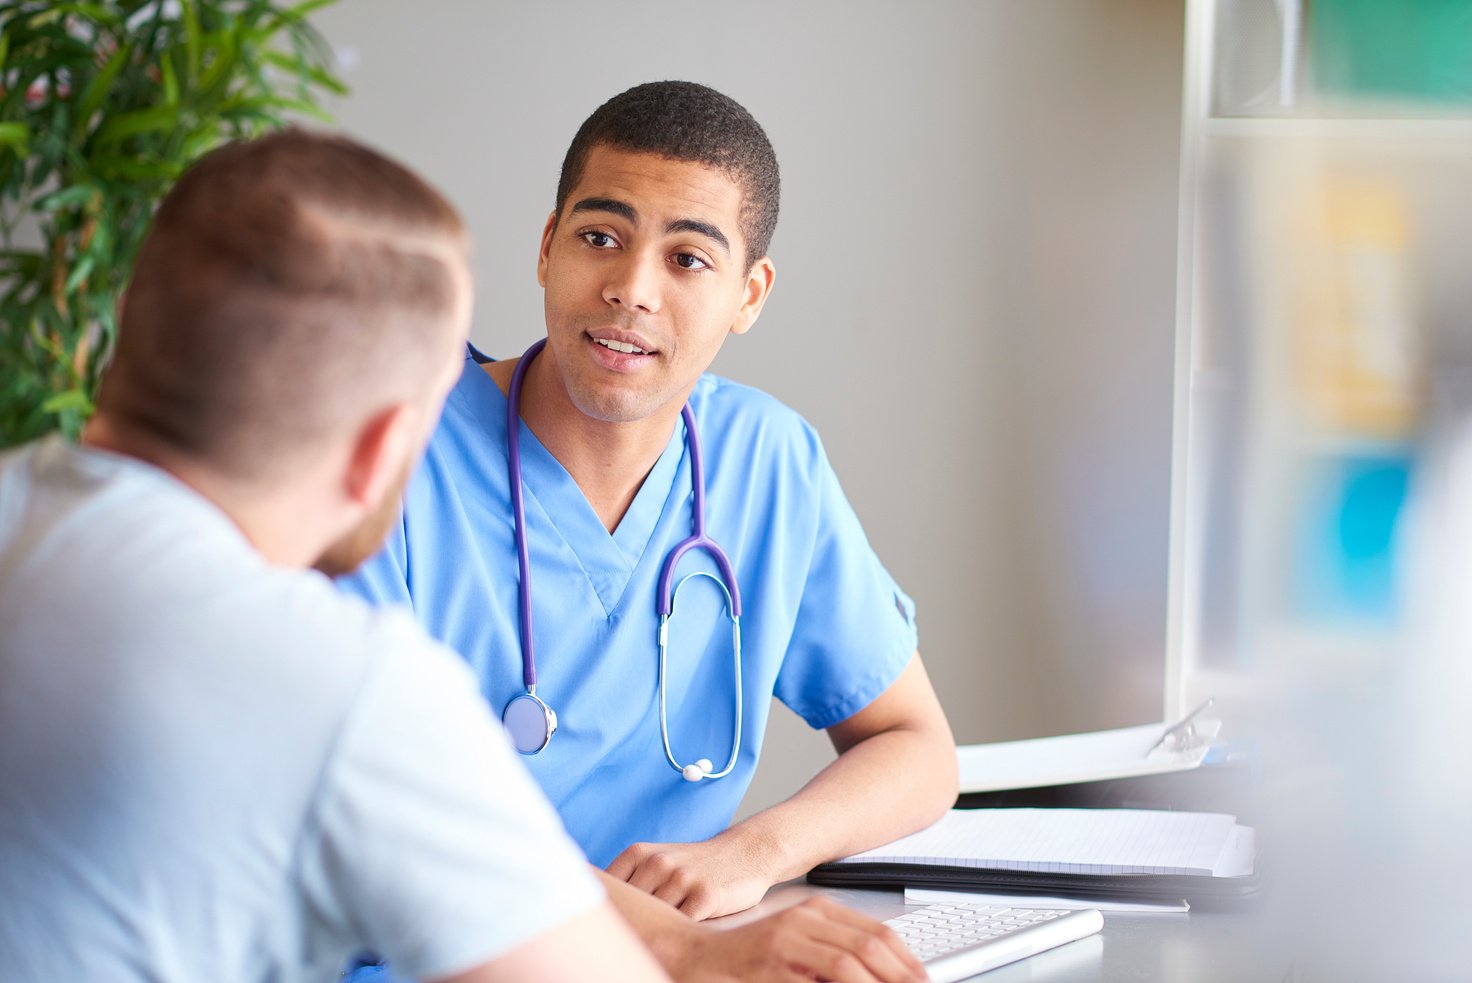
<point>634,284</point>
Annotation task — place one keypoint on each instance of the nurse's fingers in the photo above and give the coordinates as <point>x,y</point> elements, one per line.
<point>701,901</point>
<point>625,863</point>
<point>665,880</point>
<point>653,870</point>
<point>673,893</point>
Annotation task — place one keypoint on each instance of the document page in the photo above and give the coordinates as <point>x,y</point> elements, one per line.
<point>922,895</point>
<point>1066,841</point>
<point>1071,758</point>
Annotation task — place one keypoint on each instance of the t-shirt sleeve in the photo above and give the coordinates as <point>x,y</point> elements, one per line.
<point>432,845</point>
<point>855,628</point>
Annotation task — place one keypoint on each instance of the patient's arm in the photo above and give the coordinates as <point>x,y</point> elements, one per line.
<point>594,946</point>
<point>817,939</point>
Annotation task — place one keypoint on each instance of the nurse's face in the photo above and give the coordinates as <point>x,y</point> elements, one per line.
<point>644,275</point>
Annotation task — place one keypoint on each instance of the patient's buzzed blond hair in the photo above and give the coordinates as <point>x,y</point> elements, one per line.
<point>290,286</point>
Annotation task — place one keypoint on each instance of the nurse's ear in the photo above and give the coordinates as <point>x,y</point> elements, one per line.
<point>755,291</point>
<point>546,249</point>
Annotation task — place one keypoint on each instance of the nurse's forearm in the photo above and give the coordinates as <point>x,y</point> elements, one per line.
<point>895,773</point>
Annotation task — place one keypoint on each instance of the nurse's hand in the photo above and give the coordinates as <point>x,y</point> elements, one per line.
<point>817,939</point>
<point>704,880</point>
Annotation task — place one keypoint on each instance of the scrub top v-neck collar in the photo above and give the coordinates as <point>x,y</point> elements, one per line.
<point>608,560</point>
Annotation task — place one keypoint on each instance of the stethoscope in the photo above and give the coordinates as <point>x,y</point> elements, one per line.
<point>530,721</point>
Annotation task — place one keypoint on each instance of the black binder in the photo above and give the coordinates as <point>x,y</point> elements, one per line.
<point>1200,890</point>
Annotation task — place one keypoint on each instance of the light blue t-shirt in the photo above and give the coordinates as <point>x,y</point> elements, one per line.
<point>824,627</point>
<point>212,769</point>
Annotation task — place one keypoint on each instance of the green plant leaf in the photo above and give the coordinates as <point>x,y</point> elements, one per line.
<point>302,69</point>
<point>288,17</point>
<point>139,121</point>
<point>131,168</point>
<point>102,241</point>
<point>301,10</point>
<point>91,11</point>
<point>16,137</point>
<point>20,262</point>
<point>223,45</point>
<point>71,399</point>
<point>192,42</point>
<point>262,104</point>
<point>72,197</point>
<point>168,80</point>
<point>80,272</point>
<point>52,43</point>
<point>97,89</point>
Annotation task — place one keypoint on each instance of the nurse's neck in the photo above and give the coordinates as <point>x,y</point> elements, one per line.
<point>608,461</point>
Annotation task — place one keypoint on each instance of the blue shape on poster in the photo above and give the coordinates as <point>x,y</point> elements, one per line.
<point>1345,557</point>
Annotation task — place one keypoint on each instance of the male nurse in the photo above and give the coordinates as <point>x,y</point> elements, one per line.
<point>655,253</point>
<point>214,766</point>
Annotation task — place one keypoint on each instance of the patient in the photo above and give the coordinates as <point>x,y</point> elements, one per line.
<point>215,766</point>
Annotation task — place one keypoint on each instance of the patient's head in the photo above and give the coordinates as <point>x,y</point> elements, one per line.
<point>290,288</point>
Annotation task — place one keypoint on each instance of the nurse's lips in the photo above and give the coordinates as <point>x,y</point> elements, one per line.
<point>621,349</point>
<point>622,339</point>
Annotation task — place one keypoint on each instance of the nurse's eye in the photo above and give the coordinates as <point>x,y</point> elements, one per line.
<point>598,240</point>
<point>689,261</point>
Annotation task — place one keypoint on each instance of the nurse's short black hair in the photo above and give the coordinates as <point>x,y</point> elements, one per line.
<point>687,121</point>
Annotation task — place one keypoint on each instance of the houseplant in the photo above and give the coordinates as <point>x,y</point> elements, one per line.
<point>102,105</point>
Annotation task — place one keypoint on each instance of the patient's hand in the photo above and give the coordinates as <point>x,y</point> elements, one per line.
<point>817,939</point>
<point>703,880</point>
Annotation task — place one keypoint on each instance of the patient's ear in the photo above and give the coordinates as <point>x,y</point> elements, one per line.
<point>379,451</point>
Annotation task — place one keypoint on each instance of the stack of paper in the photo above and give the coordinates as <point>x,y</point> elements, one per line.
<point>1074,841</point>
<point>1128,854</point>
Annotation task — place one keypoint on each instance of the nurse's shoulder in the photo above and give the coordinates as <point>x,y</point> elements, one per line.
<point>742,420</point>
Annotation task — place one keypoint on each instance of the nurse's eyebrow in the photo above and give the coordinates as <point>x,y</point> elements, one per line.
<point>611,205</point>
<point>627,212</point>
<point>700,228</point>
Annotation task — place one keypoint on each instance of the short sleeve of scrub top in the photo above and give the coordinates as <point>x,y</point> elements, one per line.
<point>830,643</point>
<point>823,626</point>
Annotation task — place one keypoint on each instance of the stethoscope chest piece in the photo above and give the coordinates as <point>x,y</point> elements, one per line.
<point>530,722</point>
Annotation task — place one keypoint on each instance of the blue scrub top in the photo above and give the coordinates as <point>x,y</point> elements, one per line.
<point>824,627</point>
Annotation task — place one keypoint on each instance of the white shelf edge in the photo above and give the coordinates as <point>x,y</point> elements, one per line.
<point>1451,131</point>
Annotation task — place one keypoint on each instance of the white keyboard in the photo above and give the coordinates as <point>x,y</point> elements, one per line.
<point>956,941</point>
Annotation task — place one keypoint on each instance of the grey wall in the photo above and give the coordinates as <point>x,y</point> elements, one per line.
<point>974,295</point>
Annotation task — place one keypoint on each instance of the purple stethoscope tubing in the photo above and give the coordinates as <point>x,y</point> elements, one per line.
<point>528,719</point>
<point>699,540</point>
<point>518,512</point>
<point>526,711</point>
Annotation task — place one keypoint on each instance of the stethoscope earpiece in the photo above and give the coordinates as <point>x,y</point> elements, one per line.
<point>531,721</point>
